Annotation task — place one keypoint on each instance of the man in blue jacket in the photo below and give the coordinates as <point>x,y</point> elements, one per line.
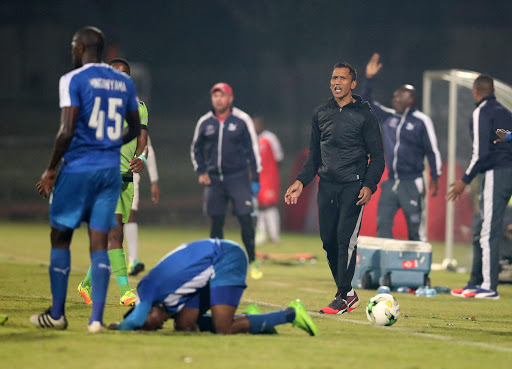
<point>225,144</point>
<point>408,136</point>
<point>494,162</point>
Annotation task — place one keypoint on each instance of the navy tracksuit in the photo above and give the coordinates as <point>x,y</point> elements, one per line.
<point>494,162</point>
<point>408,138</point>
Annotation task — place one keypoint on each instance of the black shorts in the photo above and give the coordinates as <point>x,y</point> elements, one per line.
<point>235,188</point>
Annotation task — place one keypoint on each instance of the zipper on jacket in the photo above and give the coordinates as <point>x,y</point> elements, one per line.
<point>219,150</point>
<point>397,144</point>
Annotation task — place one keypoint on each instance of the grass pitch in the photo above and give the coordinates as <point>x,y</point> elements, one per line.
<point>433,332</point>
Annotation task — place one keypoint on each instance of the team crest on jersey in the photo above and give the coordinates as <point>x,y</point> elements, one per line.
<point>393,122</point>
<point>232,127</point>
<point>409,126</point>
<point>210,130</point>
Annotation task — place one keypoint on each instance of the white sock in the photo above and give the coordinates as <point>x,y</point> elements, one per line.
<point>351,292</point>
<point>273,222</point>
<point>131,235</point>
<point>261,233</point>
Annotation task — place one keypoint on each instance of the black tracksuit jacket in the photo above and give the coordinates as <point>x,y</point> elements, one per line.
<point>342,139</point>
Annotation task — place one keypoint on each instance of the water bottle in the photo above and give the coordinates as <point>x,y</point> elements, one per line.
<point>383,289</point>
<point>402,289</point>
<point>442,289</point>
<point>430,292</point>
<point>420,291</point>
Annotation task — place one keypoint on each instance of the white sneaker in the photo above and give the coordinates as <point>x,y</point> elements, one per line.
<point>482,293</point>
<point>95,327</point>
<point>44,320</point>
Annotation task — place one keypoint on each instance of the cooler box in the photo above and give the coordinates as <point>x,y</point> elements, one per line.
<point>367,272</point>
<point>405,263</point>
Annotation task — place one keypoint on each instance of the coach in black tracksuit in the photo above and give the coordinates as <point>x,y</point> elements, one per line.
<point>494,163</point>
<point>345,133</point>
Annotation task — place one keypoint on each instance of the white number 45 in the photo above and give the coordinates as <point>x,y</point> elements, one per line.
<point>97,119</point>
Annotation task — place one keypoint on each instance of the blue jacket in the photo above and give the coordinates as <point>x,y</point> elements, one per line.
<point>488,116</point>
<point>408,138</point>
<point>224,148</point>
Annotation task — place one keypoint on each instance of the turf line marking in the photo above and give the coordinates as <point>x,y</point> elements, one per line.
<point>402,330</point>
<point>47,263</point>
<point>315,314</point>
<point>284,284</point>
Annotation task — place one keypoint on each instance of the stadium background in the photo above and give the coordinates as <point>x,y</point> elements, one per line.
<point>277,55</point>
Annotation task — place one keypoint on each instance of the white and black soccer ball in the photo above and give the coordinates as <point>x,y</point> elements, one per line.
<point>383,309</point>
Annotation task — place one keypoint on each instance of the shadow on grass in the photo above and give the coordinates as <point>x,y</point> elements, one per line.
<point>26,337</point>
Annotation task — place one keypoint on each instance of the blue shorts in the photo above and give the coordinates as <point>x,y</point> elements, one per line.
<point>231,269</point>
<point>227,283</point>
<point>87,196</point>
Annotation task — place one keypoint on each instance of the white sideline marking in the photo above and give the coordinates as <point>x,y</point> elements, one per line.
<point>323,316</point>
<point>403,330</point>
<point>284,284</point>
<point>74,269</point>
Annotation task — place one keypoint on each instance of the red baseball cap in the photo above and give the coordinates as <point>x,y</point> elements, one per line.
<point>223,87</point>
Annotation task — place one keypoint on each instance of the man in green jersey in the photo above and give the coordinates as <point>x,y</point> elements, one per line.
<point>132,161</point>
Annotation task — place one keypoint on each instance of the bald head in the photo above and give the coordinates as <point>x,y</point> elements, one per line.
<point>259,124</point>
<point>404,98</point>
<point>87,46</point>
<point>483,86</point>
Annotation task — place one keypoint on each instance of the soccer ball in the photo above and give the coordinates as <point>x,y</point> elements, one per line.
<point>383,309</point>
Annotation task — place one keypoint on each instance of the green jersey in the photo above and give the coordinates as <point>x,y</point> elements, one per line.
<point>128,150</point>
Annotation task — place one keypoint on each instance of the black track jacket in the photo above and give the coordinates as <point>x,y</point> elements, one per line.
<point>342,139</point>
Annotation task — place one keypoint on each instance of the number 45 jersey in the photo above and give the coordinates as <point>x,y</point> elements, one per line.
<point>103,96</point>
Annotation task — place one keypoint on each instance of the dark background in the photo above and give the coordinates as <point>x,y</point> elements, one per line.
<point>277,55</point>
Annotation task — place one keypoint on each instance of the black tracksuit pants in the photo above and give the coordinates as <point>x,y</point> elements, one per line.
<point>340,221</point>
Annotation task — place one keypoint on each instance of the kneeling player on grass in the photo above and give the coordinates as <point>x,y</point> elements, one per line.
<point>202,275</point>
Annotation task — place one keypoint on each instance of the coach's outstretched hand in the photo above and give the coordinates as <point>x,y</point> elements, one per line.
<point>293,192</point>
<point>365,196</point>
<point>45,185</point>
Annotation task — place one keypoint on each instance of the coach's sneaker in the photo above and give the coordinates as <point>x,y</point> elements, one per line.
<point>95,327</point>
<point>342,306</point>
<point>44,320</point>
<point>253,309</point>
<point>467,291</point>
<point>302,318</point>
<point>135,267</point>
<point>256,273</point>
<point>85,292</point>
<point>482,293</point>
<point>128,299</point>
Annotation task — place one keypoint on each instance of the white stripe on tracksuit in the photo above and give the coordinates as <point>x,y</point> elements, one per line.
<point>353,239</point>
<point>476,138</point>
<point>485,232</point>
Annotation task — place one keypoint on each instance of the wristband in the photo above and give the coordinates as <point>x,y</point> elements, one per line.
<point>143,158</point>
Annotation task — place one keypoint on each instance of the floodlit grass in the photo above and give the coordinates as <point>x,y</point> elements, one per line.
<point>431,332</point>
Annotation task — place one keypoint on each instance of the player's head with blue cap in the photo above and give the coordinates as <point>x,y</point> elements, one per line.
<point>87,46</point>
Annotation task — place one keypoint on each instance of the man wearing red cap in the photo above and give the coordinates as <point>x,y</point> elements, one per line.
<point>225,144</point>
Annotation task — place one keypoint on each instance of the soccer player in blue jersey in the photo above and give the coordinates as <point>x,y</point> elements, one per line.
<point>196,277</point>
<point>95,99</point>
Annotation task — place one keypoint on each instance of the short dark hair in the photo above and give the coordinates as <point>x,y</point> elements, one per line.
<point>119,60</point>
<point>484,84</point>
<point>344,64</point>
<point>91,37</point>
